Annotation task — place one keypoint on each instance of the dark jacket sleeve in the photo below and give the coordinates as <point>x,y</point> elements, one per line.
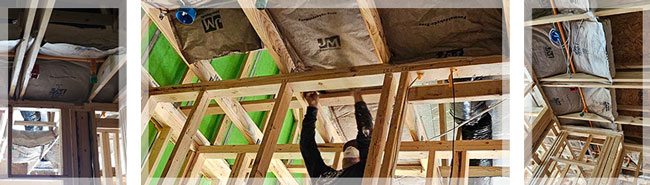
<point>308,148</point>
<point>364,127</point>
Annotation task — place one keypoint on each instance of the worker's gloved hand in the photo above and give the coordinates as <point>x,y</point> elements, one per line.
<point>356,93</point>
<point>312,98</point>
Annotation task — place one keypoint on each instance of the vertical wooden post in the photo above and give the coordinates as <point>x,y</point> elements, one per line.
<point>238,173</point>
<point>378,139</point>
<point>396,127</point>
<point>271,134</point>
<point>442,121</point>
<point>184,141</point>
<point>118,158</point>
<point>153,159</point>
<point>460,174</point>
<point>106,155</point>
<point>432,169</point>
<point>338,161</point>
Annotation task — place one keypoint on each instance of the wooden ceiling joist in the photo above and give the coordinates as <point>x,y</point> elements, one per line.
<point>22,47</point>
<point>344,78</point>
<point>106,72</point>
<point>429,94</point>
<point>269,34</point>
<point>623,80</point>
<point>599,13</point>
<point>32,53</point>
<point>621,119</point>
<point>371,17</point>
<point>441,146</point>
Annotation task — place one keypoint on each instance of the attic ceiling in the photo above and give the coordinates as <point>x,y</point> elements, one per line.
<point>68,34</point>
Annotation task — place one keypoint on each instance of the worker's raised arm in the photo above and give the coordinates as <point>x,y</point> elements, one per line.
<point>308,148</point>
<point>364,124</point>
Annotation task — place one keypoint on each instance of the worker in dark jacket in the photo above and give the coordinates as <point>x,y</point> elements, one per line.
<point>355,151</point>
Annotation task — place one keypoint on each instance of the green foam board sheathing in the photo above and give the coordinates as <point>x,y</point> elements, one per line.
<point>167,68</point>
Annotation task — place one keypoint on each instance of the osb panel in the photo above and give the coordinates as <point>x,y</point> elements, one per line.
<point>627,38</point>
<point>629,96</point>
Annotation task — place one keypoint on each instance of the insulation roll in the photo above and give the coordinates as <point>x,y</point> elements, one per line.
<point>215,33</point>
<point>417,34</point>
<point>60,81</point>
<point>326,38</point>
<point>563,100</point>
<point>589,48</point>
<point>546,57</point>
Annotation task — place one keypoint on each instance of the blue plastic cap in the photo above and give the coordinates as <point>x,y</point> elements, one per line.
<point>186,15</point>
<point>555,35</point>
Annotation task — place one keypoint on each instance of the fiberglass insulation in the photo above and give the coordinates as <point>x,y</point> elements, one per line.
<point>215,33</point>
<point>417,34</point>
<point>326,38</point>
<point>30,146</point>
<point>591,54</point>
<point>60,81</point>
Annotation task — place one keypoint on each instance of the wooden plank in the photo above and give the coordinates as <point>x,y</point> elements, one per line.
<point>30,57</point>
<point>106,72</point>
<point>240,167</point>
<point>371,17</point>
<point>396,127</point>
<point>21,48</point>
<point>380,130</point>
<point>352,77</point>
<point>442,125</point>
<point>625,76</point>
<point>460,145</point>
<point>634,108</point>
<point>599,85</point>
<point>185,139</point>
<point>432,170</point>
<point>574,162</point>
<point>108,123</point>
<point>118,159</point>
<point>460,171</point>
<point>269,34</point>
<point>622,120</point>
<point>573,17</point>
<point>36,123</point>
<point>106,155</point>
<point>155,153</point>
<point>279,112</point>
<point>430,94</point>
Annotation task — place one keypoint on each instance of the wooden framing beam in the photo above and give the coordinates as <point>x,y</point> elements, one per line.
<point>432,170</point>
<point>460,171</point>
<point>240,167</point>
<point>106,72</point>
<point>278,114</point>
<point>185,139</point>
<point>344,78</point>
<point>621,120</point>
<point>625,80</point>
<point>573,17</point>
<point>30,57</point>
<point>106,155</point>
<point>407,146</point>
<point>371,17</point>
<point>380,129</point>
<point>396,126</point>
<point>429,94</point>
<point>269,34</point>
<point>155,153</point>
<point>22,46</point>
